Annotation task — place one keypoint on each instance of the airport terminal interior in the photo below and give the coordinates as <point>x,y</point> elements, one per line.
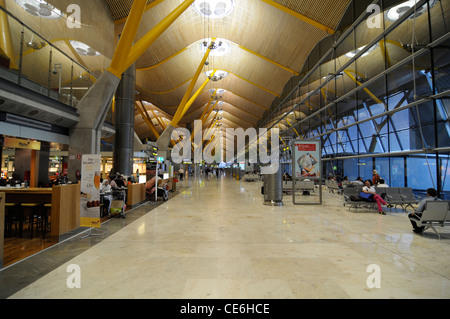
<point>225,149</point>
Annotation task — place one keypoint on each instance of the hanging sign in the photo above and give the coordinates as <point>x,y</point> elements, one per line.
<point>90,190</point>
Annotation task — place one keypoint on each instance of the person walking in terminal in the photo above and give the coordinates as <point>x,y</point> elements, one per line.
<point>372,195</point>
<point>414,217</point>
<point>181,173</point>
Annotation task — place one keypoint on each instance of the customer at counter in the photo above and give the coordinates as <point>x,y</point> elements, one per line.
<point>119,181</point>
<point>105,190</point>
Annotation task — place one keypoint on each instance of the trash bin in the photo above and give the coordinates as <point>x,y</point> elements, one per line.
<point>273,189</point>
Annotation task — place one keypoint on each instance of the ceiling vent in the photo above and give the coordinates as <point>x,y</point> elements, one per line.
<point>23,121</point>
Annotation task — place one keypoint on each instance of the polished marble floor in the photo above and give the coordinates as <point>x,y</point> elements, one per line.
<point>216,239</point>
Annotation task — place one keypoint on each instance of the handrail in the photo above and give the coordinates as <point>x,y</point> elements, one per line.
<point>48,42</point>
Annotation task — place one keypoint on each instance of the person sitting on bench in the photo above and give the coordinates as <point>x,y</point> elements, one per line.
<point>413,217</point>
<point>371,194</point>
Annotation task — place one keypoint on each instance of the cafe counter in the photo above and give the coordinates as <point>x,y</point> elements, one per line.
<point>64,200</point>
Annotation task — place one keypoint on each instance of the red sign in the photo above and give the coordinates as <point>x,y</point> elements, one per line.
<point>306,147</point>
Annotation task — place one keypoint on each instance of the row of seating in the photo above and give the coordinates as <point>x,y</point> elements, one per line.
<point>436,213</point>
<point>31,214</point>
<point>250,177</point>
<point>402,196</point>
<point>395,196</point>
<point>301,186</point>
<point>333,186</point>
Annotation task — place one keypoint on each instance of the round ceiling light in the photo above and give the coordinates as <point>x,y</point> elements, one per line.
<point>220,48</point>
<point>40,8</point>
<point>351,54</point>
<point>83,49</point>
<point>396,12</point>
<point>218,75</point>
<point>214,9</point>
<point>218,91</point>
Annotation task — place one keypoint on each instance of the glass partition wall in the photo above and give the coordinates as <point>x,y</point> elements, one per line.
<point>35,63</point>
<point>378,97</point>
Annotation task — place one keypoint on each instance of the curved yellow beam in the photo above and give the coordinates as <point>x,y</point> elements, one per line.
<point>238,117</point>
<point>168,91</point>
<point>300,16</point>
<point>252,83</point>
<point>242,110</point>
<point>263,107</point>
<point>147,7</point>
<point>268,60</point>
<point>237,45</point>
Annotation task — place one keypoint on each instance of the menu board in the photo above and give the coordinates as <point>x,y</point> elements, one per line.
<point>90,190</point>
<point>306,159</point>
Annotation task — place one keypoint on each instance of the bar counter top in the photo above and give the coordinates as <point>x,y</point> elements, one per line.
<point>30,190</point>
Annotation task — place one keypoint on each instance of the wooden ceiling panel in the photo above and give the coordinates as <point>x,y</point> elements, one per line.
<point>269,46</point>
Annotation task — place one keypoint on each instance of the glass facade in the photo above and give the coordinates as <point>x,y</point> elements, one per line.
<point>379,98</point>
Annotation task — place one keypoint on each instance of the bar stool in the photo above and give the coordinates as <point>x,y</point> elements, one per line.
<point>46,216</point>
<point>34,217</point>
<point>12,218</point>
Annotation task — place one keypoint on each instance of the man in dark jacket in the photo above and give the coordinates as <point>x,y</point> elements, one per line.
<point>415,217</point>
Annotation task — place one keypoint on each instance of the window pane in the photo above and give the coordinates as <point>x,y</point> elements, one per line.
<point>382,167</point>
<point>445,174</point>
<point>351,168</point>
<point>421,172</point>
<point>365,168</point>
<point>397,172</point>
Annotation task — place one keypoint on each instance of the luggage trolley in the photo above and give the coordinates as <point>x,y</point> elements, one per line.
<point>118,202</point>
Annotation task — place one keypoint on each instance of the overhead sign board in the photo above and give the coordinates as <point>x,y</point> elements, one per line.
<point>11,142</point>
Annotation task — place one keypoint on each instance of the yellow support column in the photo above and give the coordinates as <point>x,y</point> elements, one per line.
<point>147,120</point>
<point>142,45</point>
<point>181,109</point>
<point>209,104</point>
<point>377,100</point>
<point>126,53</point>
<point>127,37</point>
<point>159,120</point>
<point>195,96</point>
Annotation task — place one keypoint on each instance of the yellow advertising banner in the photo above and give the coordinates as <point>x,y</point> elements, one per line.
<point>90,191</point>
<point>11,142</point>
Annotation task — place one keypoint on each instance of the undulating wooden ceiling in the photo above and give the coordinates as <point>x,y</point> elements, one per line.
<point>268,43</point>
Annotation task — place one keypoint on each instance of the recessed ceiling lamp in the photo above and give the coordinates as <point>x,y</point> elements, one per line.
<point>83,49</point>
<point>396,12</point>
<point>219,93</point>
<point>218,75</point>
<point>220,48</point>
<point>40,8</point>
<point>353,53</point>
<point>214,9</point>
